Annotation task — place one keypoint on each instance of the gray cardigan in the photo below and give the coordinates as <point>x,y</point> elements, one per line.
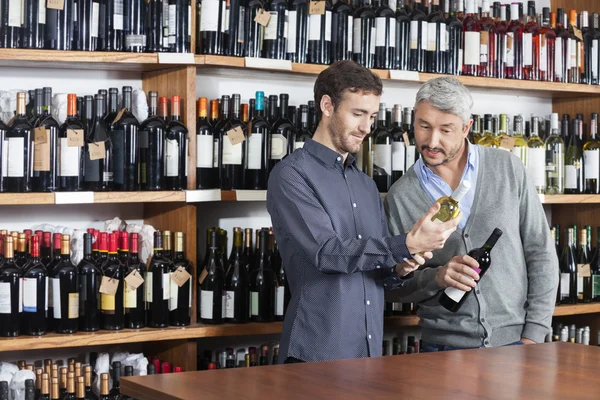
<point>516,296</point>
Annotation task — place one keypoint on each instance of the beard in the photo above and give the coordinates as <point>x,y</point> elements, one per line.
<point>448,156</point>
<point>342,139</point>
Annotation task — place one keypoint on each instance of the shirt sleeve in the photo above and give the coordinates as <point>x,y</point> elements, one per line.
<point>298,214</point>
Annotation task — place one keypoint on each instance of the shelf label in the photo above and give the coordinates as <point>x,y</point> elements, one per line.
<point>97,151</point>
<point>236,135</point>
<point>195,196</point>
<point>176,58</point>
<point>265,63</point>
<point>317,7</point>
<point>251,195</point>
<point>75,138</point>
<point>134,280</point>
<point>180,276</point>
<point>56,4</point>
<point>74,197</point>
<point>262,17</point>
<point>399,75</point>
<point>583,270</point>
<point>109,286</point>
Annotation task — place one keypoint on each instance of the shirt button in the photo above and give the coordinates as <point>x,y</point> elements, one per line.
<point>379,266</point>
<point>477,291</point>
<point>482,320</point>
<point>360,236</point>
<point>368,303</point>
<point>354,205</point>
<point>369,336</point>
<point>339,158</point>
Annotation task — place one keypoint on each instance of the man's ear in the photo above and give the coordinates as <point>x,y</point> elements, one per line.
<point>467,128</point>
<point>326,106</point>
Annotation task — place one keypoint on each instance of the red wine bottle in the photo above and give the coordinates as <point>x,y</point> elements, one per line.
<point>452,298</point>
<point>154,26</point>
<point>21,255</point>
<point>176,150</point>
<point>275,39</point>
<point>46,248</point>
<point>124,136</point>
<point>111,305</point>
<point>180,300</point>
<point>45,155</point>
<point>342,30</point>
<point>10,292</point>
<point>89,285</point>
<point>232,157</point>
<point>283,133</point>
<point>20,150</point>
<point>385,35</point>
<point>206,171</point>
<point>256,31</point>
<point>70,157</point>
<point>135,308</point>
<point>134,25</point>
<point>363,49</point>
<point>113,23</point>
<point>319,36</point>
<point>157,286</point>
<point>283,295</point>
<point>237,284</point>
<point>65,291</point>
<point>211,284</point>
<point>35,304</point>
<point>262,284</point>
<point>152,140</point>
<point>257,167</point>
<point>59,27</point>
<point>3,155</point>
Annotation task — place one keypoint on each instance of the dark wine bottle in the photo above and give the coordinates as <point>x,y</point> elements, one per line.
<point>152,140</point>
<point>275,40</point>
<point>167,240</point>
<point>454,58</point>
<point>342,29</point>
<point>89,286</point>
<point>210,37</point>
<point>262,284</point>
<point>59,27</point>
<point>418,37</point>
<point>35,305</point>
<point>21,254</point>
<point>207,174</point>
<point>452,298</point>
<point>70,154</point>
<point>113,25</point>
<point>70,393</point>
<point>297,31</point>
<point>3,155</point>
<point>29,390</point>
<point>319,37</point>
<point>257,167</point>
<point>237,284</point>
<point>115,391</point>
<point>34,19</point>
<point>363,50</point>
<point>10,292</point>
<point>135,312</point>
<point>91,167</point>
<point>232,157</point>
<point>436,50</point>
<point>45,387</point>
<point>124,135</point>
<point>88,15</point>
<point>65,291</point>
<point>111,301</point>
<point>256,31</point>
<point>303,133</point>
<point>211,284</point>
<point>398,147</point>
<point>134,25</point>
<point>248,254</point>
<point>382,154</point>
<point>87,374</point>
<point>180,300</point>
<point>234,15</point>
<point>595,270</point>
<point>283,134</point>
<point>158,286</point>
<point>104,387</point>
<point>46,249</point>
<point>20,150</point>
<point>176,150</point>
<point>584,276</point>
<point>283,295</point>
<point>45,157</point>
<point>385,35</point>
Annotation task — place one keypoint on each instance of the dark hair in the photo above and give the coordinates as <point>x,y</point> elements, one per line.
<point>341,76</point>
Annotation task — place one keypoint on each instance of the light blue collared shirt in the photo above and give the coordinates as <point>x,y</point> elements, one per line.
<point>436,187</point>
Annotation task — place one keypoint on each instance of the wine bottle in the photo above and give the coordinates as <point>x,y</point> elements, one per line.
<point>531,45</point>
<point>449,206</point>
<point>303,132</point>
<point>167,240</point>
<point>154,26</point>
<point>65,291</point>
<point>283,295</point>
<point>262,284</point>
<point>319,36</point>
<point>275,40</point>
<point>29,390</point>
<point>20,150</point>
<point>176,144</point>
<point>536,158</point>
<point>256,31</point>
<point>452,298</point>
<point>232,157</point>
<point>111,300</point>
<point>576,50</point>
<point>595,270</point>
<point>87,373</point>
<point>105,164</point>
<point>35,303</point>
<point>555,160</point>
<point>134,25</point>
<point>135,312</point>
<point>342,28</point>
<point>547,48</point>
<point>45,387</point>
<point>113,26</point>
<point>124,135</point>
<point>574,163</point>
<point>89,285</point>
<point>257,167</point>
<point>102,248</point>
<point>10,292</point>
<point>382,154</point>
<point>436,50</point>
<point>211,284</point>
<point>180,300</point>
<point>233,32</point>
<point>248,254</point>
<point>45,248</point>
<point>364,32</point>
<point>115,391</point>
<point>70,393</point>
<point>568,271</point>
<point>91,168</point>
<point>514,47</point>
<point>487,52</point>
<point>21,254</point>
<point>412,155</point>
<point>297,31</point>
<point>80,388</point>
<point>151,143</point>
<point>59,27</point>
<point>402,40</point>
<point>70,154</point>
<point>591,158</point>
<point>206,173</point>
<point>180,26</point>
<point>3,155</point>
<point>584,277</point>
<point>158,286</point>
<point>88,15</point>
<point>472,40</point>
<point>104,392</point>
<point>45,158</point>
<point>283,134</point>
<point>237,284</point>
<point>398,147</point>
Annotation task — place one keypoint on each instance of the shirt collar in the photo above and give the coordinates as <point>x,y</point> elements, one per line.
<point>326,155</point>
<point>428,173</point>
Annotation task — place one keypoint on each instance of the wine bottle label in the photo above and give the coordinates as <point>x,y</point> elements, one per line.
<point>579,285</point>
<point>410,156</point>
<point>372,40</point>
<point>571,177</point>
<point>279,301</point>
<point>424,34</point>
<point>118,147</point>
<point>20,295</point>
<point>381,31</point>
<point>173,23</point>
<point>15,13</point>
<point>454,293</point>
<point>543,54</point>
<point>75,14</point>
<point>5,156</point>
<point>510,53</point>
<point>229,302</point>
<point>118,15</point>
<point>68,159</point>
<point>41,154</point>
<point>216,154</point>
<point>314,24</point>
<point>357,40</point>
<point>47,296</point>
<point>278,146</point>
<point>171,158</point>
<point>594,56</point>
<point>204,151</point>
<point>5,298</point>
<point>292,34</point>
<point>398,156</point>
<point>536,165</point>
<point>595,286</point>
<point>432,34</point>
<point>573,46</point>
<point>255,151</point>
<point>565,284</point>
<point>225,20</point>
<point>30,295</point>
<point>558,57</point>
<point>382,159</point>
<point>527,49</point>
<point>16,157</point>
<point>254,303</point>
<point>241,25</point>
<point>135,41</point>
<point>414,35</point>
<point>50,287</point>
<point>298,145</point>
<point>232,155</point>
<point>73,305</point>
<point>209,16</point>
<point>130,297</point>
<point>107,303</point>
<point>148,280</point>
<point>95,19</point>
<point>173,294</point>
<point>328,26</point>
<point>166,286</point>
<point>42,12</point>
<point>484,38</point>
<point>56,298</point>
<point>271,28</point>
<point>591,166</point>
<point>472,48</point>
<point>206,304</point>
<point>350,32</point>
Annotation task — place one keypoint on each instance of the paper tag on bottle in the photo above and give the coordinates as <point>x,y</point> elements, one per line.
<point>75,138</point>
<point>406,139</point>
<point>317,7</point>
<point>109,286</point>
<point>509,41</point>
<point>134,280</point>
<point>262,17</point>
<point>236,135</point>
<point>40,136</point>
<point>97,151</point>
<point>202,276</point>
<point>507,142</point>
<point>56,4</point>
<point>180,276</point>
<point>577,33</point>
<point>119,116</point>
<point>583,270</point>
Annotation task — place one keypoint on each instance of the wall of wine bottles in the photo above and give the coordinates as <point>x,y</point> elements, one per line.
<point>571,333</point>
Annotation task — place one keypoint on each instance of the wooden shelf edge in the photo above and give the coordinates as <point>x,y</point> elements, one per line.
<point>570,199</point>
<point>26,198</point>
<point>140,197</point>
<point>576,309</point>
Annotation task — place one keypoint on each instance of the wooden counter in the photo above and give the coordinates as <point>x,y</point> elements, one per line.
<point>545,371</point>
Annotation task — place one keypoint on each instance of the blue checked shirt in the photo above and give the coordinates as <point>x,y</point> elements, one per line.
<point>332,233</point>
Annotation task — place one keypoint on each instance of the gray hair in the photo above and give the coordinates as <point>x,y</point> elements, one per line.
<point>448,95</point>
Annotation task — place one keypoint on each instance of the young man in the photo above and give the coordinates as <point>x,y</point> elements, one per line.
<point>514,301</point>
<point>330,226</point>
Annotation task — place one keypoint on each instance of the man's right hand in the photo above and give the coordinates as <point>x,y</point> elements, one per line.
<point>458,273</point>
<point>427,235</point>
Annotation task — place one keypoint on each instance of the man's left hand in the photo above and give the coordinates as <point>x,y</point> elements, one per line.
<point>527,341</point>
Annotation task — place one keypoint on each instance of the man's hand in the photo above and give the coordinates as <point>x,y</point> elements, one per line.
<point>427,235</point>
<point>458,273</point>
<point>412,265</point>
<point>527,341</point>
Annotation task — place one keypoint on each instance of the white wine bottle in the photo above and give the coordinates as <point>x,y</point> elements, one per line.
<point>449,204</point>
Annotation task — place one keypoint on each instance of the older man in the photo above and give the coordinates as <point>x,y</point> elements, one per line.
<point>514,301</point>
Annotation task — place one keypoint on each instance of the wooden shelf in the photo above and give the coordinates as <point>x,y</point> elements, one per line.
<point>140,197</point>
<point>26,198</point>
<point>576,309</point>
<point>570,199</point>
<point>244,195</point>
<point>549,88</point>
